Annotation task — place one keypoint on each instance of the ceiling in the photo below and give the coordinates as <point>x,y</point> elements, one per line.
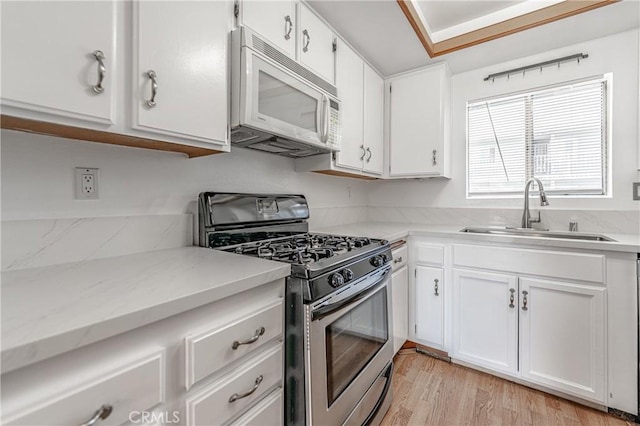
<point>380,31</point>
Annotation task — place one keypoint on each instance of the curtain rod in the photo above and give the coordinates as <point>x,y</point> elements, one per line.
<point>558,61</point>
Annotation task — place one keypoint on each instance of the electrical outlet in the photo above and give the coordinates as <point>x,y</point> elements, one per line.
<point>636,190</point>
<point>86,183</point>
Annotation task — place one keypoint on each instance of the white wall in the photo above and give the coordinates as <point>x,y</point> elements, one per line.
<point>618,54</point>
<point>37,179</point>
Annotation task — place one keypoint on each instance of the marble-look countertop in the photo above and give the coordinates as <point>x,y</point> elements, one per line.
<point>54,309</point>
<point>392,231</point>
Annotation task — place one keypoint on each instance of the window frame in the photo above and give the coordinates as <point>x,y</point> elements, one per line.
<point>607,175</point>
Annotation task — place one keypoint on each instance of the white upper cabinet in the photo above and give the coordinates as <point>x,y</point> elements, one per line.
<point>373,121</point>
<point>349,80</point>
<point>418,127</point>
<point>51,66</point>
<point>316,44</point>
<point>275,21</point>
<point>180,68</point>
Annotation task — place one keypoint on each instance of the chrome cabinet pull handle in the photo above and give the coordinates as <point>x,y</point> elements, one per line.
<point>305,41</point>
<point>151,103</point>
<point>398,260</point>
<point>102,413</point>
<point>259,332</point>
<point>512,298</point>
<point>436,281</point>
<point>237,396</point>
<point>325,101</point>
<point>288,27</point>
<point>434,159</point>
<point>364,152</point>
<point>102,70</point>
<point>370,155</point>
<point>524,300</point>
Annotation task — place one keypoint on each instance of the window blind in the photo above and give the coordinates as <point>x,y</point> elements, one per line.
<point>558,135</point>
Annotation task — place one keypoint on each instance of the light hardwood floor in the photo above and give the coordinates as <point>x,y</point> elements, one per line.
<point>428,391</point>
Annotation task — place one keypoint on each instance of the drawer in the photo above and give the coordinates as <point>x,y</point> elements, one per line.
<point>211,350</point>
<point>214,404</point>
<point>429,253</point>
<point>134,386</point>
<point>399,257</point>
<point>557,264</point>
<point>268,412</point>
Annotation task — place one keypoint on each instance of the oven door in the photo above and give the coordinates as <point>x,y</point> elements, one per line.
<point>349,349</point>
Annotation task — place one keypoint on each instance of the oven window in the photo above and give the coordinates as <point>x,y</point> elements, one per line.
<point>285,103</point>
<point>353,340</point>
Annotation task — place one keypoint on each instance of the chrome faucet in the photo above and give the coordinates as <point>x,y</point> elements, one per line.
<point>527,220</point>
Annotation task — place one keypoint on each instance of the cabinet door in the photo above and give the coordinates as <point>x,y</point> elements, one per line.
<point>48,62</point>
<point>349,80</point>
<point>315,46</point>
<point>400,298</point>
<point>275,21</point>
<point>485,319</point>
<point>416,127</point>
<point>429,310</point>
<point>373,121</point>
<point>185,44</point>
<point>562,337</point>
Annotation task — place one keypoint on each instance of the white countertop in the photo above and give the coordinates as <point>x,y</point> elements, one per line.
<point>393,231</point>
<point>50,310</point>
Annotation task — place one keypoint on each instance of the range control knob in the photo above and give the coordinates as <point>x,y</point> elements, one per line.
<point>347,274</point>
<point>336,280</point>
<point>385,258</point>
<point>377,261</point>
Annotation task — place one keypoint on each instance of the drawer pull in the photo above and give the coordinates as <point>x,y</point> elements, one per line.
<point>101,414</point>
<point>237,396</point>
<point>259,332</point>
<point>398,260</point>
<point>151,103</point>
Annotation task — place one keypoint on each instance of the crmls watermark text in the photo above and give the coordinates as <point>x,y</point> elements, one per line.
<point>162,417</point>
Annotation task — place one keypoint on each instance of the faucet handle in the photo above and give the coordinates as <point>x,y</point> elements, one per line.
<point>535,219</point>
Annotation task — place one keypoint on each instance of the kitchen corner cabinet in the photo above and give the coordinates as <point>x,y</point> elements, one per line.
<point>180,69</point>
<point>429,294</point>
<point>68,71</point>
<point>316,44</point>
<point>418,105</point>
<point>52,53</point>
<point>274,20</point>
<point>361,93</point>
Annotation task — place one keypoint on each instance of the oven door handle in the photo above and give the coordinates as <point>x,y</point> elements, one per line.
<point>329,309</point>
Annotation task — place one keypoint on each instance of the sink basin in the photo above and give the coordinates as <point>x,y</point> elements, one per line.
<point>522,232</point>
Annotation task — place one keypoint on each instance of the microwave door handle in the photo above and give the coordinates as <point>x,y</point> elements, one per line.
<point>325,119</point>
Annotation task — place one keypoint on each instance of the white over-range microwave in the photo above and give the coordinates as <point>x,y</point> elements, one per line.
<point>277,105</point>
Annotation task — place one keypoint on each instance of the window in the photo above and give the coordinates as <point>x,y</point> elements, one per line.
<point>558,135</point>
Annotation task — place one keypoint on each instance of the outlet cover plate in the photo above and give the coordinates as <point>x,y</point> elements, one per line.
<point>86,183</point>
<point>636,190</point>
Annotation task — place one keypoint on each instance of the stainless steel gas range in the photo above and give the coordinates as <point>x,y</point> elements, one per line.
<point>338,332</point>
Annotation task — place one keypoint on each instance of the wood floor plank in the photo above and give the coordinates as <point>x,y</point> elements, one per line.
<point>429,391</point>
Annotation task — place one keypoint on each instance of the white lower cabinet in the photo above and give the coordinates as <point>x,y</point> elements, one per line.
<point>236,392</point>
<point>485,323</point>
<point>132,387</point>
<point>400,297</point>
<point>429,311</point>
<point>547,332</point>
<point>562,336</point>
<point>267,412</point>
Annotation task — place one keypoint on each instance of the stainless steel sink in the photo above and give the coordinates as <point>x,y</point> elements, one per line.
<point>522,232</point>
